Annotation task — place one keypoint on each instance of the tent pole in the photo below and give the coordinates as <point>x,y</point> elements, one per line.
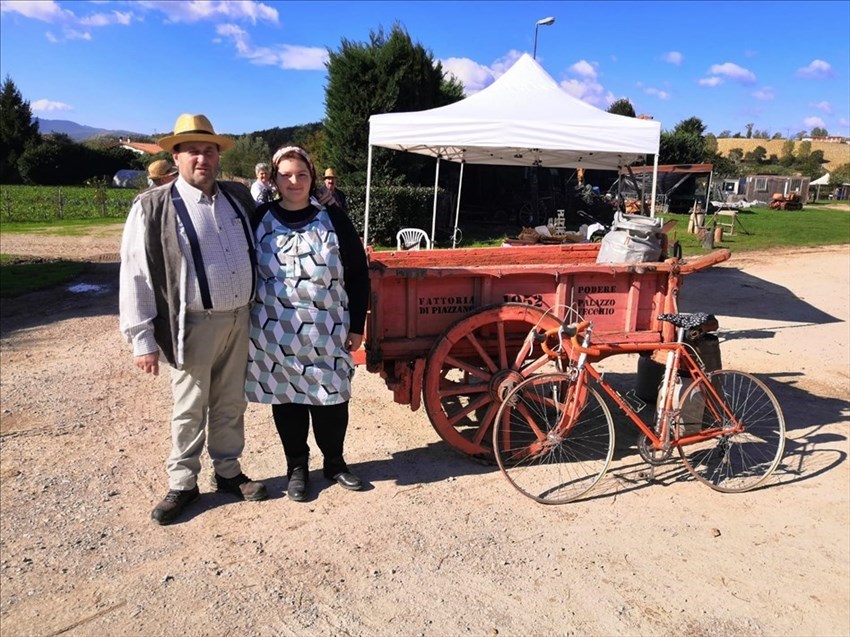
<point>436,190</point>
<point>457,211</point>
<point>654,186</point>
<point>708,193</point>
<point>368,189</point>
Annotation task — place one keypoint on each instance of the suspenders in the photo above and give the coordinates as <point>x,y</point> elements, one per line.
<point>195,246</point>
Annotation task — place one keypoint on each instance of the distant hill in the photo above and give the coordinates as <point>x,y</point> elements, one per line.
<point>835,153</point>
<point>79,132</point>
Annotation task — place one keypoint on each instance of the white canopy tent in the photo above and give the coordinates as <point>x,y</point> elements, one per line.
<point>823,180</point>
<point>523,119</point>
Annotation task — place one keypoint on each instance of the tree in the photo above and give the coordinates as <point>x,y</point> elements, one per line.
<point>840,175</point>
<point>749,128</point>
<point>684,144</point>
<point>622,107</point>
<point>756,155</point>
<point>388,74</point>
<point>736,155</point>
<point>817,131</point>
<point>58,160</point>
<point>17,131</point>
<point>246,153</point>
<point>787,157</point>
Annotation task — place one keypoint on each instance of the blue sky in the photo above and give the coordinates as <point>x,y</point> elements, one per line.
<point>252,65</point>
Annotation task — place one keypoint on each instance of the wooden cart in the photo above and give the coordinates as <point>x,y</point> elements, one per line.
<point>453,326</point>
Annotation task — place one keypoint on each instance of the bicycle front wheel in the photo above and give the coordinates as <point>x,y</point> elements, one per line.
<point>742,459</point>
<point>545,455</point>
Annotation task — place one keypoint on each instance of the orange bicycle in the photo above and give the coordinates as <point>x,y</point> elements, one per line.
<point>554,435</point>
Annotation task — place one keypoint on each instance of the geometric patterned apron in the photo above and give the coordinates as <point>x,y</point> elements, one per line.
<point>300,320</point>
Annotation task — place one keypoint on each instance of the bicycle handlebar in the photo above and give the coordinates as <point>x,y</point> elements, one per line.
<point>572,330</point>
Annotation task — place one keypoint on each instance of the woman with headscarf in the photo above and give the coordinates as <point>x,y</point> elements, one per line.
<point>313,291</point>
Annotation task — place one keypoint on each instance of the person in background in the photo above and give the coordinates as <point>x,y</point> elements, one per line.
<point>339,198</point>
<point>263,190</point>
<point>310,313</point>
<point>187,279</point>
<point>161,172</point>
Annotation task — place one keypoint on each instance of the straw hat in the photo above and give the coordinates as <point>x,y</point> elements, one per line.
<point>161,168</point>
<point>330,172</point>
<point>194,128</point>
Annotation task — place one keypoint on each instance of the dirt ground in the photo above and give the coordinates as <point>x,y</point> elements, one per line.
<point>436,544</point>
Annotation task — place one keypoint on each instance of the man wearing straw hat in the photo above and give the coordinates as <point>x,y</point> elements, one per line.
<point>161,172</point>
<point>330,184</point>
<point>187,278</point>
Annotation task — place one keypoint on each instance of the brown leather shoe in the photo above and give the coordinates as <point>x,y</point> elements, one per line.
<point>173,504</point>
<point>241,486</point>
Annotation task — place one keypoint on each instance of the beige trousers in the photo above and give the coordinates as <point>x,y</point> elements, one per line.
<point>209,396</point>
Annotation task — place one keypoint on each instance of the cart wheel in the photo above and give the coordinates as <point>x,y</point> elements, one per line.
<point>474,364</point>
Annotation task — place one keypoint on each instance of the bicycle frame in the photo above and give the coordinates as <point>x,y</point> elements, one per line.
<point>678,355</point>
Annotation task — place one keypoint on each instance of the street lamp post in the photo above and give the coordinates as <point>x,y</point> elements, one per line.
<point>544,21</point>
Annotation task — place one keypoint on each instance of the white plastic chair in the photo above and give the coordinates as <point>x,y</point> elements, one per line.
<point>411,239</point>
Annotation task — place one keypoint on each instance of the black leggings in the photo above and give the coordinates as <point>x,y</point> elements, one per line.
<point>330,423</point>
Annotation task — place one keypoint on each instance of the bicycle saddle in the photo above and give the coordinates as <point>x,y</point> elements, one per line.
<point>688,321</point>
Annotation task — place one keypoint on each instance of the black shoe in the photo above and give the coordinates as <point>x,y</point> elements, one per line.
<point>173,504</point>
<point>348,480</point>
<point>241,486</point>
<point>297,487</point>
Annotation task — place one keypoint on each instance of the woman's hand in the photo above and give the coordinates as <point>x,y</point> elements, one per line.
<point>353,342</point>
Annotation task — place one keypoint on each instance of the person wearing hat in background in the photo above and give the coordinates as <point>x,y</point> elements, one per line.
<point>263,190</point>
<point>161,172</point>
<point>339,198</point>
<point>187,280</point>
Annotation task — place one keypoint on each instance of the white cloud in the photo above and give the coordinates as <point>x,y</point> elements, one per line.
<point>475,76</point>
<point>198,10</point>
<point>812,122</point>
<point>50,12</point>
<point>105,19</point>
<point>826,107</point>
<point>817,69</point>
<point>765,93</point>
<point>73,34</point>
<point>733,72</point>
<point>584,68</point>
<point>710,81</point>
<point>47,105</point>
<point>673,57</point>
<point>285,56</point>
<point>44,10</point>
<point>588,91</point>
<point>662,95</point>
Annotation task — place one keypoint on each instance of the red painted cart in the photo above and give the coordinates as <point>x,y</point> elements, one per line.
<point>453,326</point>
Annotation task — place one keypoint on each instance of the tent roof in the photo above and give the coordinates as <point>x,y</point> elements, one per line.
<point>522,119</point>
<point>823,180</point>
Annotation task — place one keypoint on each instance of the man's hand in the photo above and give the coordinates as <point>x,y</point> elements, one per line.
<point>353,342</point>
<point>149,363</point>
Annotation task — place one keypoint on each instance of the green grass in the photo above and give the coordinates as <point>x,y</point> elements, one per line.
<point>763,228</point>
<point>19,276</point>
<point>63,227</point>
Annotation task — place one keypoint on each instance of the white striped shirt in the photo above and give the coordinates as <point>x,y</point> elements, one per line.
<point>224,249</point>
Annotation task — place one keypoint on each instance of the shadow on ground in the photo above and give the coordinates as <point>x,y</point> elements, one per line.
<point>93,293</point>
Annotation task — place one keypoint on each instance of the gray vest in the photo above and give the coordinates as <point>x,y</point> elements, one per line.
<point>165,260</point>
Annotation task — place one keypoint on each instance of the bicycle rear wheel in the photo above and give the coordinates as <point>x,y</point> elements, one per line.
<point>737,461</point>
<point>538,459</point>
